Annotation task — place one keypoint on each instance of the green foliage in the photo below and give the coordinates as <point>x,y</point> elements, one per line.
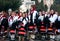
<point>6,4</point>
<point>55,6</point>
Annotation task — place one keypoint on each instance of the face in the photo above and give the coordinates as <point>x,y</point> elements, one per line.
<point>43,12</point>
<point>56,13</point>
<point>13,14</point>
<point>20,14</point>
<point>24,14</point>
<point>46,12</point>
<point>52,11</point>
<point>31,8</point>
<point>40,13</point>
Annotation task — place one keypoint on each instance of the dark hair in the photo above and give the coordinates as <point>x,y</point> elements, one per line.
<point>40,10</point>
<point>17,12</point>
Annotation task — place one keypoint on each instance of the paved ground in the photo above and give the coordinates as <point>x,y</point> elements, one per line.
<point>34,40</point>
<point>57,37</point>
<point>17,40</point>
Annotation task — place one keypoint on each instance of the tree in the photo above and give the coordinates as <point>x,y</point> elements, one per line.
<point>55,6</point>
<point>6,4</point>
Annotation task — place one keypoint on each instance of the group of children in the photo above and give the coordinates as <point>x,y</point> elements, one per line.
<point>33,18</point>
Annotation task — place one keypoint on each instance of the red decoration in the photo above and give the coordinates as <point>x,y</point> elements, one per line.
<point>12,31</point>
<point>23,33</point>
<point>31,27</point>
<point>50,29</point>
<point>42,28</point>
<point>22,29</point>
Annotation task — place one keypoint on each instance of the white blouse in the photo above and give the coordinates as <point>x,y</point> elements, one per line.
<point>53,18</point>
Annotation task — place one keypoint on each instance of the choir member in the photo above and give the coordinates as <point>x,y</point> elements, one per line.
<point>58,25</point>
<point>33,16</point>
<point>0,20</point>
<point>40,20</point>
<point>57,22</point>
<point>20,17</point>
<point>25,19</point>
<point>4,21</point>
<point>41,17</point>
<point>13,18</point>
<point>46,19</point>
<point>53,18</point>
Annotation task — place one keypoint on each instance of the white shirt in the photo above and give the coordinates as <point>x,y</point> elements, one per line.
<point>1,18</point>
<point>47,15</point>
<point>41,18</point>
<point>25,21</point>
<point>15,18</point>
<point>19,19</point>
<point>34,15</point>
<point>10,20</point>
<point>58,18</point>
<point>53,18</point>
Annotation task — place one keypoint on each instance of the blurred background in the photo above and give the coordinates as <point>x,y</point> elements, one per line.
<point>14,5</point>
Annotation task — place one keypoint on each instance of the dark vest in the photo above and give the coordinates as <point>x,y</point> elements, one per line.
<point>4,23</point>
